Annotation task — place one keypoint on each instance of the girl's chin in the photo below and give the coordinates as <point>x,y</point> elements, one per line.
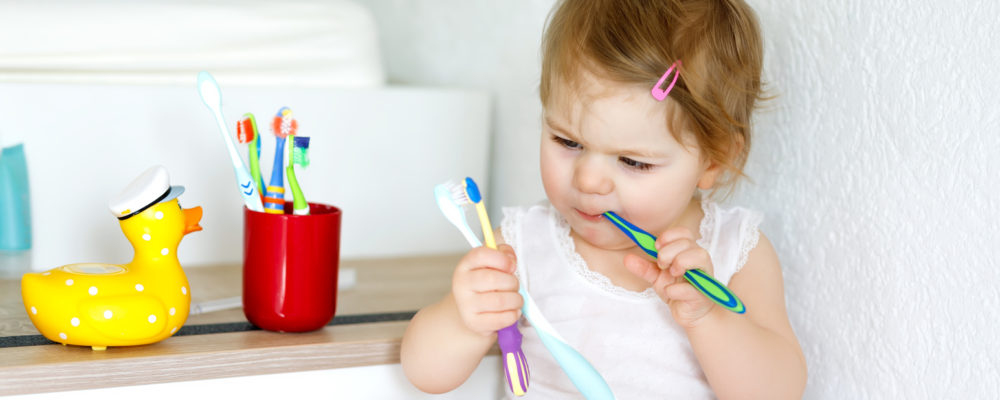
<point>603,237</point>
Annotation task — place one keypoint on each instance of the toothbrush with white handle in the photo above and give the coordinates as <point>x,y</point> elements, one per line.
<point>584,376</point>
<point>454,213</point>
<point>211,95</point>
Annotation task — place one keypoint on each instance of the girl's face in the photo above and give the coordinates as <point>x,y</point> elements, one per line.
<point>610,149</point>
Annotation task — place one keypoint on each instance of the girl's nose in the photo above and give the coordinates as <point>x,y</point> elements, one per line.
<point>591,177</point>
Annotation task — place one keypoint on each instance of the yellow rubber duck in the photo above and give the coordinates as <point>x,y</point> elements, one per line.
<point>144,301</point>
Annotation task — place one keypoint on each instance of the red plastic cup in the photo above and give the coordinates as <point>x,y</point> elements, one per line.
<point>290,265</point>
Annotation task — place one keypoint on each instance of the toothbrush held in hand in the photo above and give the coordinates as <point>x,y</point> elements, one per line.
<point>246,132</point>
<point>283,125</point>
<point>211,95</point>
<point>705,283</point>
<point>584,376</point>
<point>298,154</point>
<point>454,212</point>
<point>509,338</point>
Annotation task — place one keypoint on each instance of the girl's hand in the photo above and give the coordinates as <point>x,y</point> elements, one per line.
<point>485,289</point>
<point>677,253</point>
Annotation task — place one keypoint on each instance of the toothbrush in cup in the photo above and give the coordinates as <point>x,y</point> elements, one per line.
<point>246,132</point>
<point>283,125</point>
<point>509,338</point>
<point>211,95</point>
<point>584,376</point>
<point>298,154</point>
<point>705,283</point>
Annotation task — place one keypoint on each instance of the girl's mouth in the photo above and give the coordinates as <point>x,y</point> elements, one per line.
<point>589,217</point>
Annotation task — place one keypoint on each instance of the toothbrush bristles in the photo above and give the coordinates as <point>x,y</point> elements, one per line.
<point>458,193</point>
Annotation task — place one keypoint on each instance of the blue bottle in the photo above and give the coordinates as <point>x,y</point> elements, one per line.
<point>15,214</point>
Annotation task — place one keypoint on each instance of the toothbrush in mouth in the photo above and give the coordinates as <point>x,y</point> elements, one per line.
<point>705,283</point>
<point>211,95</point>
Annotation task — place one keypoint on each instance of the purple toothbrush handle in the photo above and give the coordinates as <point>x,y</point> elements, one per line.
<point>515,366</point>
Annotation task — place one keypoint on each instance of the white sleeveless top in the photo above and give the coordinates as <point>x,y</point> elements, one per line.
<point>630,337</point>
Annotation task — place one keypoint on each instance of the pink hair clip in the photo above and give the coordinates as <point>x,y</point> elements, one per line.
<point>660,94</point>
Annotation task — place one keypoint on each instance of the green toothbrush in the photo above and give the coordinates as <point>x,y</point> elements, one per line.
<point>705,284</point>
<point>298,154</point>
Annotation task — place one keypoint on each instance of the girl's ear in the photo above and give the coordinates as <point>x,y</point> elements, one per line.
<point>714,169</point>
<point>710,175</point>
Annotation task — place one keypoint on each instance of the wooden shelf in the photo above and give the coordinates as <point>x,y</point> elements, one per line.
<point>383,286</point>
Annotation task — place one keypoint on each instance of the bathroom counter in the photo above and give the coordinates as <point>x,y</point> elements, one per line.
<point>369,324</point>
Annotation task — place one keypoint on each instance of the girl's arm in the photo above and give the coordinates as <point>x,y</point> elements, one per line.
<point>439,352</point>
<point>754,355</point>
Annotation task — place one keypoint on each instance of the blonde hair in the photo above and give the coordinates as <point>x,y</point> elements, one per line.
<point>634,42</point>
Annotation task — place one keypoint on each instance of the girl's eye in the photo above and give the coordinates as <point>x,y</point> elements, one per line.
<point>637,165</point>
<point>569,144</point>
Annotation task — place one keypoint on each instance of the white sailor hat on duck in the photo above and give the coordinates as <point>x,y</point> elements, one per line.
<point>152,187</point>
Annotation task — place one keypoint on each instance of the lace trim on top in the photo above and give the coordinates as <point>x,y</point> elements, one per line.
<point>707,227</point>
<point>749,234</point>
<point>567,248</point>
<point>509,228</point>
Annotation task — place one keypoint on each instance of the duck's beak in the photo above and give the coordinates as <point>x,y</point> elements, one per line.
<point>191,218</point>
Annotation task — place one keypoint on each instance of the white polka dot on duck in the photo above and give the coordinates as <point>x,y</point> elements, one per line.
<point>172,311</point>
<point>69,282</point>
<point>152,318</point>
<point>92,290</point>
<point>159,215</point>
<point>146,237</point>
<point>34,310</point>
<point>62,336</point>
<point>184,289</point>
<point>165,251</point>
<point>108,314</point>
<point>139,287</point>
<point>173,330</point>
<point>75,321</point>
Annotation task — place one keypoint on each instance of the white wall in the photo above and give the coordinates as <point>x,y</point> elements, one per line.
<point>97,108</point>
<point>363,140</point>
<point>488,45</point>
<point>876,168</point>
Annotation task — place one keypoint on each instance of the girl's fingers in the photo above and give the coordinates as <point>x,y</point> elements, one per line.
<point>691,258</point>
<point>494,321</point>
<point>508,251</point>
<point>485,280</point>
<point>651,273</point>
<point>673,234</point>
<point>643,268</point>
<point>483,257</point>
<point>496,302</point>
<point>682,291</point>
<point>669,251</point>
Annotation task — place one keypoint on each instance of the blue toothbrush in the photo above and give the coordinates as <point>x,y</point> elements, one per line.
<point>705,283</point>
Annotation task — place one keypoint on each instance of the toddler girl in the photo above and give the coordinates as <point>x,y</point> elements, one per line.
<point>611,141</point>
